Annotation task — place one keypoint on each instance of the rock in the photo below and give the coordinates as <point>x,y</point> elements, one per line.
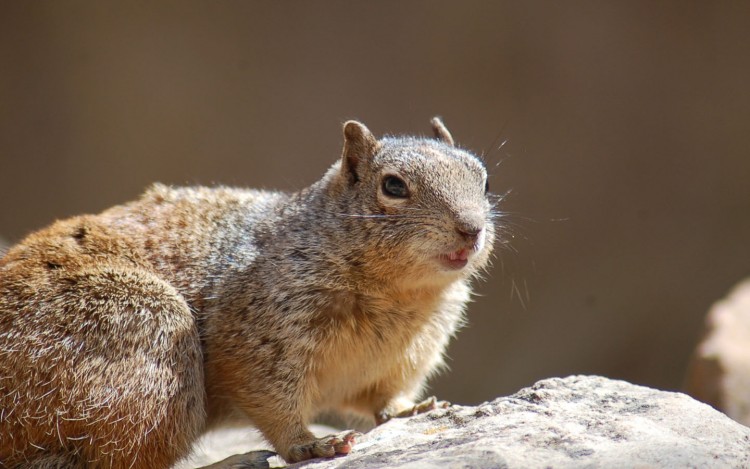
<point>580,421</point>
<point>719,373</point>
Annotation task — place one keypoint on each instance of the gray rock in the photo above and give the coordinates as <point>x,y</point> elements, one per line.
<point>575,422</point>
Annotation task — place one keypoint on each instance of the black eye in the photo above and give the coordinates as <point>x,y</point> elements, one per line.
<point>395,187</point>
<point>486,186</point>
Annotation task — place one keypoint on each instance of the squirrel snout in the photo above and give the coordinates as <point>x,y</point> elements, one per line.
<point>470,232</point>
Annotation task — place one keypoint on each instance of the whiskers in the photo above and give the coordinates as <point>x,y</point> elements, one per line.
<point>407,213</point>
<point>383,216</point>
<point>510,255</point>
<point>496,153</point>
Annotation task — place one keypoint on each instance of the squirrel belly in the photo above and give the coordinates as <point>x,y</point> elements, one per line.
<point>127,334</point>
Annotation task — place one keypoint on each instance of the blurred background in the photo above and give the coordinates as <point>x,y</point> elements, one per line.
<point>621,129</point>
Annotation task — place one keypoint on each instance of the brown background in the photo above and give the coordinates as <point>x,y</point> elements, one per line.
<point>627,128</point>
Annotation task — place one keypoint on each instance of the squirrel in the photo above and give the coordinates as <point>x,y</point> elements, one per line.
<point>126,335</point>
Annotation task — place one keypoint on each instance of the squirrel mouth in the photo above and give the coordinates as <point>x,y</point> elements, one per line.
<point>455,260</point>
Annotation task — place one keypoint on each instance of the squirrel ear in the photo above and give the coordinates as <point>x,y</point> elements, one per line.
<point>441,132</point>
<point>359,145</point>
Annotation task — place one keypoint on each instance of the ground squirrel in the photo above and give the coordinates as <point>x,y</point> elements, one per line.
<point>125,335</point>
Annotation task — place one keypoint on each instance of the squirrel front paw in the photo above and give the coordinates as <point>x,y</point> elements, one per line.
<point>326,447</point>
<point>431,403</point>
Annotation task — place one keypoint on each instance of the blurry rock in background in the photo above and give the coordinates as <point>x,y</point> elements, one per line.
<point>720,370</point>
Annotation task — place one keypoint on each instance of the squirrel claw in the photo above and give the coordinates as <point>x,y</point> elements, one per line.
<point>343,442</point>
<point>326,447</point>
<point>431,403</point>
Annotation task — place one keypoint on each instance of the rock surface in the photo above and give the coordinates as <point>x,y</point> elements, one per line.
<point>720,371</point>
<point>580,421</point>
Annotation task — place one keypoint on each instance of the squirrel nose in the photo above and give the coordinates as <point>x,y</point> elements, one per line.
<point>469,224</point>
<point>469,232</point>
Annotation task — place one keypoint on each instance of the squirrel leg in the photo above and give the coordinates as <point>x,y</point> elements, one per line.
<point>294,442</point>
<point>120,353</point>
<point>279,404</point>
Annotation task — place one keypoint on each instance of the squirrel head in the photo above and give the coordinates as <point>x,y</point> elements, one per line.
<point>415,207</point>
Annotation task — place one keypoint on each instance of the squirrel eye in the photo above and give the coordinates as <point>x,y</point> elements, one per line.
<point>395,187</point>
<point>486,186</point>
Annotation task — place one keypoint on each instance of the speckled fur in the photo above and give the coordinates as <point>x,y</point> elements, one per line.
<point>125,335</point>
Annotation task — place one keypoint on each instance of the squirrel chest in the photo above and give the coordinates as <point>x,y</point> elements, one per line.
<point>378,339</point>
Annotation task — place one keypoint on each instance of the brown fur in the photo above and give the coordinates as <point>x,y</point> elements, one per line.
<point>125,335</point>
